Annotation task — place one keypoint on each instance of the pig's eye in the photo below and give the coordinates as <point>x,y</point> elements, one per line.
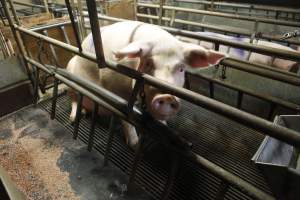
<point>181,69</point>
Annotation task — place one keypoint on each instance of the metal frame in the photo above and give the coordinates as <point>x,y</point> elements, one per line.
<point>249,33</point>
<point>133,115</point>
<point>276,9</point>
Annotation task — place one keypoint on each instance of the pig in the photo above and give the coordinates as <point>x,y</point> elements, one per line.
<point>148,49</point>
<point>278,63</point>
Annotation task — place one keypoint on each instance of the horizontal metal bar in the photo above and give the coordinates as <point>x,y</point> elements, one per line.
<point>83,88</point>
<point>281,133</point>
<point>246,6</point>
<point>247,66</point>
<point>39,6</point>
<point>278,101</point>
<point>221,29</point>
<point>49,26</point>
<point>289,55</point>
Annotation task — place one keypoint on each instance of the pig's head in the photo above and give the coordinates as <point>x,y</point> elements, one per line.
<point>167,61</point>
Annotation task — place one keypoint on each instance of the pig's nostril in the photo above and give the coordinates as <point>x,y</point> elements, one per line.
<point>161,102</point>
<point>173,105</point>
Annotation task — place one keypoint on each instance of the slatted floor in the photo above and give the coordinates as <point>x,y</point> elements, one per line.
<point>222,141</point>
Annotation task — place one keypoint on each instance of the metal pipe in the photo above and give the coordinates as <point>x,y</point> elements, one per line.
<point>78,115</point>
<point>93,16</point>
<point>216,170</point>
<point>54,99</point>
<point>74,25</point>
<point>111,136</point>
<point>217,14</point>
<point>49,26</point>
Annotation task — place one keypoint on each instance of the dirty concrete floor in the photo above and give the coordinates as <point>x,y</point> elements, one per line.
<point>46,163</point>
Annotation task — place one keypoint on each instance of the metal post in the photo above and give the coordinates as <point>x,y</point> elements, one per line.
<point>161,11</point>
<point>54,98</point>
<point>84,33</point>
<point>46,6</point>
<point>110,139</point>
<point>78,115</point>
<point>52,49</point>
<point>75,28</point>
<point>93,16</point>
<point>93,124</point>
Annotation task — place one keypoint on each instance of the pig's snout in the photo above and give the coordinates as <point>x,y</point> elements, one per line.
<point>164,106</point>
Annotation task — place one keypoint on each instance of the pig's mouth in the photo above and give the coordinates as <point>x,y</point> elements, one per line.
<point>161,116</point>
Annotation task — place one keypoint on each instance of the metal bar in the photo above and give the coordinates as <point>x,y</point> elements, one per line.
<point>36,86</point>
<point>12,8</point>
<point>79,4</point>
<point>49,26</point>
<point>110,140</point>
<point>78,115</point>
<point>161,11</point>
<point>52,49</point>
<point>93,124</point>
<point>139,84</point>
<point>246,18</point>
<point>172,176</point>
<point>46,6</point>
<point>54,98</point>
<point>93,16</point>
<point>281,133</point>
<point>272,110</point>
<point>246,66</point>
<point>75,28</point>
<point>216,170</point>
<point>62,28</point>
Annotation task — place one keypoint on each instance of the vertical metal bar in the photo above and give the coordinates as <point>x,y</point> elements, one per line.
<point>137,159</point>
<point>54,98</point>
<point>217,46</point>
<point>79,3</point>
<point>110,139</point>
<point>14,12</point>
<point>173,15</point>
<point>222,190</point>
<point>46,6</point>
<point>78,115</point>
<point>66,37</point>
<point>161,10</point>
<point>52,49</point>
<point>93,16</point>
<point>36,85</point>
<point>271,111</point>
<point>173,172</point>
<point>211,90</point>
<point>93,124</point>
<point>135,5</point>
<point>75,28</point>
<point>187,84</point>
<point>139,84</point>
<point>240,99</point>
<point>149,13</point>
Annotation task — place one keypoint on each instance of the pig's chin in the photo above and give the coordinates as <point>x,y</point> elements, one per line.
<point>162,117</point>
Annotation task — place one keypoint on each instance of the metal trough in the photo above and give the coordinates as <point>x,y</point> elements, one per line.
<point>280,161</point>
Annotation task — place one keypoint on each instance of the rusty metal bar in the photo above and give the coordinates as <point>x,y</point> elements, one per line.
<point>93,16</point>
<point>66,37</point>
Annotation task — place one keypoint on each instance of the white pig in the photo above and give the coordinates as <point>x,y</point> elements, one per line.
<point>286,65</point>
<point>148,49</point>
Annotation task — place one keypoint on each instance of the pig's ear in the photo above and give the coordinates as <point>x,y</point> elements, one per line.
<point>134,50</point>
<point>197,56</point>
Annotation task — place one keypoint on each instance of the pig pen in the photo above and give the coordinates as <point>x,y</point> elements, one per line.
<point>217,166</point>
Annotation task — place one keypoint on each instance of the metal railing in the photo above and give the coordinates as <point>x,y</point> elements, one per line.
<point>127,111</point>
<point>249,33</point>
<point>276,10</point>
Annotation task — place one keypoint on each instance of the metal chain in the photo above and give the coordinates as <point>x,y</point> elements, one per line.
<point>295,33</point>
